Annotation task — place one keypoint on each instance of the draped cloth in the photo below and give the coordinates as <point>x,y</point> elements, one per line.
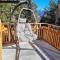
<point>24,31</point>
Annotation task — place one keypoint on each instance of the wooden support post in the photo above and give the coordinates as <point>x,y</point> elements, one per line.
<point>0,41</point>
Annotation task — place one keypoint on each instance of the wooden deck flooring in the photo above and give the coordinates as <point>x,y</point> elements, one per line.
<point>50,51</point>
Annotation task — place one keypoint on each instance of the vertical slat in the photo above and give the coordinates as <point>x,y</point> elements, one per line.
<point>0,41</point>
<point>50,35</point>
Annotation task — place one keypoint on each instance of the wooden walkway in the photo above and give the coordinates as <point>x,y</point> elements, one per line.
<point>50,51</point>
<point>27,52</point>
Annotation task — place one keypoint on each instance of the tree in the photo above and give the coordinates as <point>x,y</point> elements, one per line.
<point>51,16</point>
<point>34,8</point>
<point>5,11</point>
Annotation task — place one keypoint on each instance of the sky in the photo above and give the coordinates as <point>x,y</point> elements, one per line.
<point>41,4</point>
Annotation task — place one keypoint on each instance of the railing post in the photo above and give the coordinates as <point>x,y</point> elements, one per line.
<point>0,41</point>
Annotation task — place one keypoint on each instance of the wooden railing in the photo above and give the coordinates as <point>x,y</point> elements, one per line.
<point>9,37</point>
<point>9,34</point>
<point>49,33</point>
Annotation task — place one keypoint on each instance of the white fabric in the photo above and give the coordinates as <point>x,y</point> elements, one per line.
<point>24,32</point>
<point>22,20</point>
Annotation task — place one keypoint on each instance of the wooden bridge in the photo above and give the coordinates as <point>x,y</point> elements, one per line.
<point>47,33</point>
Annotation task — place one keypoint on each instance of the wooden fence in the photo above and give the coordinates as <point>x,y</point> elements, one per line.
<point>49,33</point>
<point>9,34</point>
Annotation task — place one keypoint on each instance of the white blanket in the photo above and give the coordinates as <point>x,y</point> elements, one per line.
<point>24,32</point>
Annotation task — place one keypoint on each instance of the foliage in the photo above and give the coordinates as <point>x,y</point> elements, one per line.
<point>51,12</point>
<point>6,9</point>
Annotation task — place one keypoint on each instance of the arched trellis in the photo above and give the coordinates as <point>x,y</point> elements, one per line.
<point>17,7</point>
<point>27,9</point>
<point>23,8</point>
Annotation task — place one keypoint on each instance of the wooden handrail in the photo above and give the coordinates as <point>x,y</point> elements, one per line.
<point>49,33</point>
<point>9,34</point>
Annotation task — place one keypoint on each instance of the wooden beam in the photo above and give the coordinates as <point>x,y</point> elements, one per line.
<point>9,1</point>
